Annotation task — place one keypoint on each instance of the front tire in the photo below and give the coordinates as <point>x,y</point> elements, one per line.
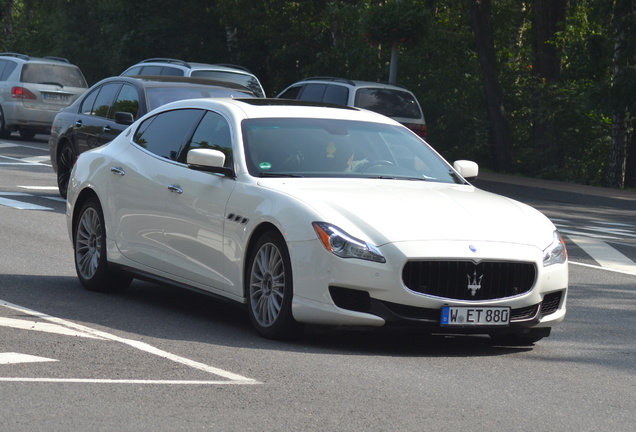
<point>89,241</point>
<point>270,287</point>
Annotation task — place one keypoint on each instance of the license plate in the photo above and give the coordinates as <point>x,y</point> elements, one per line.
<point>475,316</point>
<point>54,97</point>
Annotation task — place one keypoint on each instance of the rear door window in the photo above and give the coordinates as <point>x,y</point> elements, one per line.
<point>336,94</point>
<point>166,133</point>
<point>105,99</point>
<point>313,92</point>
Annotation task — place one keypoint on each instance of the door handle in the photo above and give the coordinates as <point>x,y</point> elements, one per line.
<point>106,129</point>
<point>118,171</point>
<point>78,123</point>
<point>175,188</point>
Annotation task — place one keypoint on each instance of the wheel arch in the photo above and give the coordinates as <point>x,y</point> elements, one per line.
<point>84,196</point>
<point>256,234</point>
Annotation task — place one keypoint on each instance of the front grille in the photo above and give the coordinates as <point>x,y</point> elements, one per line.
<point>465,280</point>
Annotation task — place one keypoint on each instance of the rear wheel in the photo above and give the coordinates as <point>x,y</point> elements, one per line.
<point>27,134</point>
<point>89,241</point>
<point>4,132</point>
<point>65,161</point>
<point>270,287</point>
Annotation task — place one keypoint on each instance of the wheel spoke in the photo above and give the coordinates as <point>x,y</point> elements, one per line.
<point>267,284</point>
<point>88,243</point>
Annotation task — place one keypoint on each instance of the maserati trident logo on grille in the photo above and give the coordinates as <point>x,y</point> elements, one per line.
<point>474,284</point>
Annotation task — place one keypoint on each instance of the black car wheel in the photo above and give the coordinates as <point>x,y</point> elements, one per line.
<point>89,241</point>
<point>270,287</point>
<point>27,134</point>
<point>65,161</point>
<point>4,133</point>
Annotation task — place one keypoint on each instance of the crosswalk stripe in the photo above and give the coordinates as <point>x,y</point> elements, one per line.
<point>21,205</point>
<point>604,254</point>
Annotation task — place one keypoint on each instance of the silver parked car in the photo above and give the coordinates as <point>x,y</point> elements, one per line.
<point>33,90</point>
<point>220,72</point>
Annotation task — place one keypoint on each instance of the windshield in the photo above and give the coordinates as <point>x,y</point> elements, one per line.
<point>298,147</point>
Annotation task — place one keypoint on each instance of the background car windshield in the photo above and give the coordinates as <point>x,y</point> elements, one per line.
<point>158,96</point>
<point>339,148</point>
<point>52,74</point>
<point>242,79</point>
<point>391,103</point>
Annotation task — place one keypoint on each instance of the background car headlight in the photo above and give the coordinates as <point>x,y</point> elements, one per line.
<point>556,253</point>
<point>343,245</point>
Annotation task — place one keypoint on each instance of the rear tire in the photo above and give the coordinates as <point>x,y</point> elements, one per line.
<point>4,132</point>
<point>65,161</point>
<point>89,242</point>
<point>269,287</point>
<point>27,134</point>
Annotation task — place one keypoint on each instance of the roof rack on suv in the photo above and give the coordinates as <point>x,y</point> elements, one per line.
<point>166,60</point>
<point>329,78</point>
<point>60,59</point>
<point>18,55</point>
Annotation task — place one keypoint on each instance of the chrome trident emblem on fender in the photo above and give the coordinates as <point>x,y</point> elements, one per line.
<point>475,283</point>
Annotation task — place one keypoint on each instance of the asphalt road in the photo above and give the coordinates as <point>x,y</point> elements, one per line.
<point>161,359</point>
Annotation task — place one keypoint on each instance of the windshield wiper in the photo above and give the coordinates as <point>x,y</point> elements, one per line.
<point>263,174</point>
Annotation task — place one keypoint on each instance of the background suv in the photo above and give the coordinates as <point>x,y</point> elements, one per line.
<point>33,90</point>
<point>175,67</point>
<point>390,100</point>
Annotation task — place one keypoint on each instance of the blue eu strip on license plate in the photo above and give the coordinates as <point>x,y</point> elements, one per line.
<point>475,316</point>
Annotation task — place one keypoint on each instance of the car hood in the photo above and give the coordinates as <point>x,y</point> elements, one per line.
<point>384,211</point>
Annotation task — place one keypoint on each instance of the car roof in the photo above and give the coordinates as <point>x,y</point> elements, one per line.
<point>352,83</point>
<point>45,59</point>
<point>163,61</point>
<point>162,80</point>
<point>272,108</point>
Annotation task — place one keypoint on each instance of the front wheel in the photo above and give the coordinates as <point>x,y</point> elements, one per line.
<point>270,288</point>
<point>89,236</point>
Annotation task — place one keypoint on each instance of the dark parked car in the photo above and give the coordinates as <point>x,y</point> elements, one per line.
<point>111,105</point>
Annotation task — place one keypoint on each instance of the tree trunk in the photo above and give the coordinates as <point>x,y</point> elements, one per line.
<point>480,12</point>
<point>548,19</point>
<point>6,18</point>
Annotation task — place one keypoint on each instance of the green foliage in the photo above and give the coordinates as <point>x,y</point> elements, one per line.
<point>283,41</point>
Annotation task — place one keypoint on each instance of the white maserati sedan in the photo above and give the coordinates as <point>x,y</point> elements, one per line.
<point>313,214</point>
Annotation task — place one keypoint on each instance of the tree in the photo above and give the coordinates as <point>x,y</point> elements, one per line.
<point>480,11</point>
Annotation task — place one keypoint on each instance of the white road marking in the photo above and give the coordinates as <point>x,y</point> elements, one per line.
<point>631,273</point>
<point>25,161</point>
<point>13,358</point>
<point>7,145</point>
<point>43,327</point>
<point>142,346</point>
<point>122,381</point>
<point>48,188</point>
<point>604,254</point>
<point>20,205</point>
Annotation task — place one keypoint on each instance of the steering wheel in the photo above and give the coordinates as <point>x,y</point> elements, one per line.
<point>376,163</point>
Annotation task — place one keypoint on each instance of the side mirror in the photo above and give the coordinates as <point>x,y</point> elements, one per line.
<point>124,118</point>
<point>467,169</point>
<point>208,160</point>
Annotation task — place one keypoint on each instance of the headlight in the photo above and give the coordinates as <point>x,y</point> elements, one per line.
<point>343,245</point>
<point>556,253</point>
